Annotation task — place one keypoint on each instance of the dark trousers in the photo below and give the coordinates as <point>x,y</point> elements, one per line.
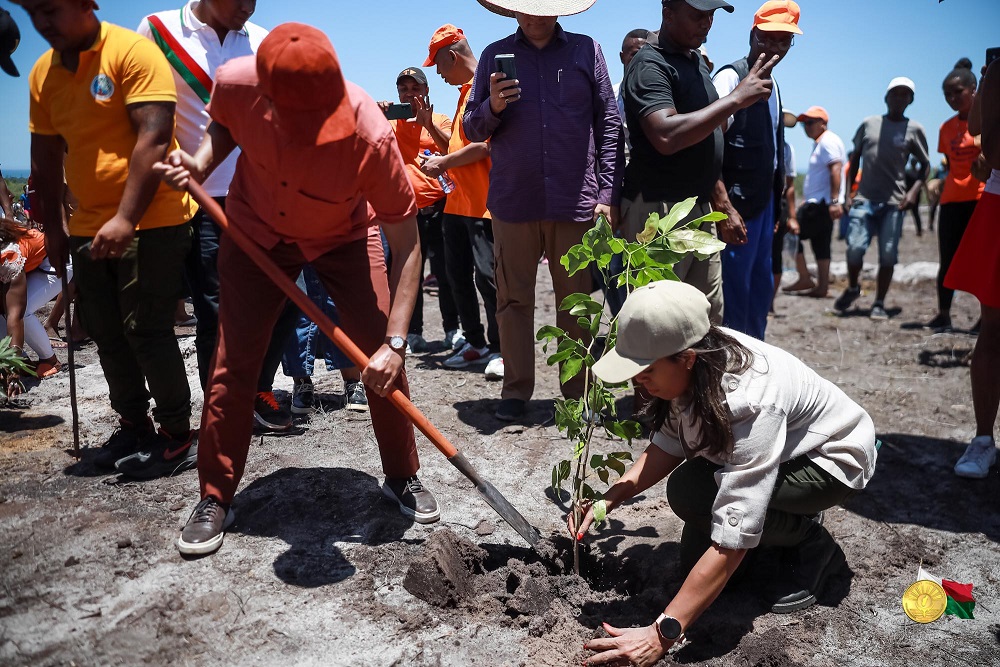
<point>468,250</point>
<point>429,224</point>
<point>127,306</point>
<point>816,226</point>
<point>355,278</point>
<point>802,489</point>
<point>202,275</point>
<point>952,221</point>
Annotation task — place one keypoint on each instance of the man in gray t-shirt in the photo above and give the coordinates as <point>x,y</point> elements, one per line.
<point>882,147</point>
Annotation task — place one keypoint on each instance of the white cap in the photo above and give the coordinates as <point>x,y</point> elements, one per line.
<point>902,82</point>
<point>658,320</point>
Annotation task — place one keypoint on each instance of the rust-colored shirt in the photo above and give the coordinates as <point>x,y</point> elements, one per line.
<point>318,196</point>
<point>472,181</point>
<point>413,140</point>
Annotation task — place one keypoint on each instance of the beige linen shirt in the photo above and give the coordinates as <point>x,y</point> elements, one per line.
<point>780,409</point>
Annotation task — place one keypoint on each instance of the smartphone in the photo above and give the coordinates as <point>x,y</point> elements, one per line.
<point>505,64</point>
<point>992,54</point>
<point>399,111</point>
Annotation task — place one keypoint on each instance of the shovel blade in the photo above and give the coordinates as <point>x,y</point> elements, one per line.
<point>496,500</point>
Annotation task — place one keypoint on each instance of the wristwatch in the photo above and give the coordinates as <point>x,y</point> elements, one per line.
<point>398,344</point>
<point>668,627</point>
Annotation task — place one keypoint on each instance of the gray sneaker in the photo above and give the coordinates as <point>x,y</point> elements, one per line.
<point>416,343</point>
<point>979,457</point>
<point>878,312</point>
<point>205,528</point>
<point>357,399</point>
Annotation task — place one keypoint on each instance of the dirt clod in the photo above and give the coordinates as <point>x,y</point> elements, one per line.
<point>124,543</point>
<point>442,575</point>
<point>71,561</point>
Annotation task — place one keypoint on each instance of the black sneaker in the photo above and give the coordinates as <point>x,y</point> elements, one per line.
<point>161,456</point>
<point>847,299</point>
<point>413,499</point>
<point>357,399</point>
<point>303,398</point>
<point>124,441</point>
<point>940,324</point>
<point>205,528</point>
<point>510,409</point>
<point>268,414</point>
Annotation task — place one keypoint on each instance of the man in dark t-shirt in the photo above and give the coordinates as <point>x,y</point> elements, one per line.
<point>675,119</point>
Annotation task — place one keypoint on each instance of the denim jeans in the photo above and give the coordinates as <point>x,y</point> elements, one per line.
<point>308,343</point>
<point>868,219</point>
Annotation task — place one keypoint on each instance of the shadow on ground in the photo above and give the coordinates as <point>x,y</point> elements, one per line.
<point>313,509</point>
<point>914,483</point>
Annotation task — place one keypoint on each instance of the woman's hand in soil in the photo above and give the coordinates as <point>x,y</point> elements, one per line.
<point>382,371</point>
<point>587,508</point>
<point>632,646</point>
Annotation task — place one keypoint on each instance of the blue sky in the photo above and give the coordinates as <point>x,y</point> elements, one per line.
<point>849,52</point>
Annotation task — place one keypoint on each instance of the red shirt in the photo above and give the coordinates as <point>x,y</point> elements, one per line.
<point>956,142</point>
<point>318,196</point>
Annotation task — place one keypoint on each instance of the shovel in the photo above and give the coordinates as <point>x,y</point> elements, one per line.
<point>67,302</point>
<point>489,493</point>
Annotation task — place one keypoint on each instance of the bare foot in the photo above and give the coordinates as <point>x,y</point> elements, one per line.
<point>817,294</point>
<point>799,285</point>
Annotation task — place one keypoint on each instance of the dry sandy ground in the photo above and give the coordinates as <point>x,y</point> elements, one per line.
<point>313,570</point>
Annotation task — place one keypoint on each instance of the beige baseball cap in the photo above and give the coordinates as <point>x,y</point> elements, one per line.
<point>658,320</point>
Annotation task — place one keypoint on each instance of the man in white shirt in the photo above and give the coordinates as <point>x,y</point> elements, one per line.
<point>633,41</point>
<point>197,39</point>
<point>823,203</point>
<point>752,180</point>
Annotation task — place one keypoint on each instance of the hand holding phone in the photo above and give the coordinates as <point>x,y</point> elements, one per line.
<point>504,87</point>
<point>398,111</point>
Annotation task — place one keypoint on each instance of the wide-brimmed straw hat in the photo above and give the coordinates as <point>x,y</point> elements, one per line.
<point>537,7</point>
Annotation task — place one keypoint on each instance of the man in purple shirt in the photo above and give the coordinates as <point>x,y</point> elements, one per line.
<point>557,149</point>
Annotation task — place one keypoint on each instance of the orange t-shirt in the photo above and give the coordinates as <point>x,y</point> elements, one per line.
<point>472,181</point>
<point>24,255</point>
<point>957,144</point>
<point>413,140</point>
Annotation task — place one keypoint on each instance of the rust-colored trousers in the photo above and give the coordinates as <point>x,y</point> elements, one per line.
<point>354,274</point>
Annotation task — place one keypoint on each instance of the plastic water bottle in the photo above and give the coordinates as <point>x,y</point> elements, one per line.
<point>444,179</point>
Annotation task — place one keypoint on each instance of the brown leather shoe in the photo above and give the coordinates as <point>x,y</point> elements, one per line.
<point>206,527</point>
<point>414,500</point>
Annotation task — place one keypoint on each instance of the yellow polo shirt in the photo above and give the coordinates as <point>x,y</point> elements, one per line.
<point>88,109</point>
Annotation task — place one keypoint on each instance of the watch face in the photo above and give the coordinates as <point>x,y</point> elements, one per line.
<point>670,628</point>
<point>397,343</point>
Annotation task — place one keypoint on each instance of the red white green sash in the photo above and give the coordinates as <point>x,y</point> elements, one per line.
<point>181,60</point>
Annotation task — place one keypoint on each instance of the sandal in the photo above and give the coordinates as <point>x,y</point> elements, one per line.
<point>46,369</point>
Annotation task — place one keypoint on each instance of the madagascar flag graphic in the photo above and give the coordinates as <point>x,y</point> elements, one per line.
<point>960,600</point>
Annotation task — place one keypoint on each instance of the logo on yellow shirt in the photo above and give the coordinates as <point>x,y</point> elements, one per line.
<point>102,88</point>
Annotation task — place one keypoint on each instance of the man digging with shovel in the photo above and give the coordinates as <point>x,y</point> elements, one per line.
<point>319,176</point>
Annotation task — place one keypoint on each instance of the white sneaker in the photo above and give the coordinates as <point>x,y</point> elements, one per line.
<point>494,369</point>
<point>467,356</point>
<point>454,339</point>
<point>979,457</point>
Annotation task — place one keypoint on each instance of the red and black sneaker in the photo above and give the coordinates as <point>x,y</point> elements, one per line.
<point>268,414</point>
<point>161,455</point>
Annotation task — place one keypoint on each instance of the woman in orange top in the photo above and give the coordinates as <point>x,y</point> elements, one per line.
<point>961,190</point>
<point>27,282</point>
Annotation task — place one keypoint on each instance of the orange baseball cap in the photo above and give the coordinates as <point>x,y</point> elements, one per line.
<point>778,16</point>
<point>444,36</point>
<point>814,112</point>
<point>299,71</point>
